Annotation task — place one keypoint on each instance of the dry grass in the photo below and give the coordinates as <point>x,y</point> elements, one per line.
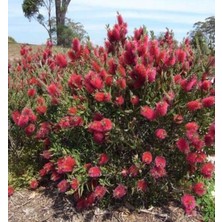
<point>14,49</point>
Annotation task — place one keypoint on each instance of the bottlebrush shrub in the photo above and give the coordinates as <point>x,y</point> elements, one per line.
<point>131,118</point>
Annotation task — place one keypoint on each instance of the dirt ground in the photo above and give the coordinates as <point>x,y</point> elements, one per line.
<point>46,205</point>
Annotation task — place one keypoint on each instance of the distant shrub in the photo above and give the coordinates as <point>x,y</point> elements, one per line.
<point>11,40</point>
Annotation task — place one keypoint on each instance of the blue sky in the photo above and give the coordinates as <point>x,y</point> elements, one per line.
<point>179,15</point>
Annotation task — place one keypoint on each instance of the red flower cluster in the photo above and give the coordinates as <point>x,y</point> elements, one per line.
<point>63,186</point>
<point>159,169</point>
<point>183,145</point>
<point>147,157</point>
<point>199,189</point>
<point>33,184</point>
<point>119,191</point>
<point>189,203</point>
<point>161,134</point>
<point>100,192</point>
<point>10,191</point>
<point>94,172</point>
<point>66,164</point>
<point>207,170</point>
<point>103,159</point>
<point>142,185</point>
<point>99,128</point>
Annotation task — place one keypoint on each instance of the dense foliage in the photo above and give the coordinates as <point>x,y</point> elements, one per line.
<point>133,120</point>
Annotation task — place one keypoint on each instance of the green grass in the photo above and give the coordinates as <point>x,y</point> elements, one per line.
<point>207,202</point>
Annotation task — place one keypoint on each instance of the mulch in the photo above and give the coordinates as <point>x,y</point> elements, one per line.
<point>47,205</point>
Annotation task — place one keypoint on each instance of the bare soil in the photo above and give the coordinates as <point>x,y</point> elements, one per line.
<point>45,205</point>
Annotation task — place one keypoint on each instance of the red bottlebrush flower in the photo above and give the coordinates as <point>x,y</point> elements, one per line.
<point>142,185</point>
<point>161,134</point>
<point>23,120</point>
<point>160,161</point>
<point>134,100</point>
<point>66,164</point>
<point>124,172</point>
<point>99,137</point>
<point>178,119</point>
<point>90,199</point>
<point>63,186</point>
<point>100,192</point>
<point>208,101</point>
<point>55,176</point>
<point>192,126</point>
<point>102,97</point>
<point>72,111</point>
<point>119,100</point>
<point>33,184</point>
<point>42,172</point>
<point>201,157</point>
<point>10,191</point>
<point>75,81</point>
<point>106,125</point>
<point>61,60</point>
<point>170,60</point>
<point>157,172</point>
<point>46,154</point>
<point>75,121</point>
<point>189,203</point>
<point>147,157</point>
<point>29,130</point>
<point>183,145</point>
<point>41,110</point>
<point>177,78</point>
<point>194,105</point>
<point>40,101</point>
<point>48,167</point>
<point>191,158</point>
<point>205,85</point>
<point>81,204</point>
<point>188,85</point>
<point>121,83</point>
<point>199,189</point>
<point>31,92</point>
<point>120,19</point>
<point>198,143</point>
<point>209,140</point>
<point>211,130</point>
<point>133,171</point>
<point>103,159</point>
<point>53,90</point>
<point>119,191</point>
<point>161,108</point>
<point>76,45</point>
<point>140,71</point>
<point>147,112</point>
<point>74,184</point>
<point>95,172</point>
<point>15,116</point>
<point>207,170</point>
<point>181,55</point>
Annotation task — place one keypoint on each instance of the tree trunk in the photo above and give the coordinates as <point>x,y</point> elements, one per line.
<point>61,9</point>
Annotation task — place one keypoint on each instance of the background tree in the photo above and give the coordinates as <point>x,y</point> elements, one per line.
<point>31,9</point>
<point>70,31</point>
<point>203,35</point>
